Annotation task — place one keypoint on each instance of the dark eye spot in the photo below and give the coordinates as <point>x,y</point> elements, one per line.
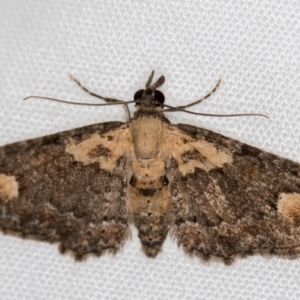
<point>138,94</point>
<point>159,97</point>
<point>147,192</point>
<point>133,180</point>
<point>164,180</point>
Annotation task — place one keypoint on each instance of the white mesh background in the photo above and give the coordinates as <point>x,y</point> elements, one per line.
<point>112,46</point>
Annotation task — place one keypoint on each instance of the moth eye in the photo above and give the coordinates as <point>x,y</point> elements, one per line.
<point>138,94</point>
<point>159,97</point>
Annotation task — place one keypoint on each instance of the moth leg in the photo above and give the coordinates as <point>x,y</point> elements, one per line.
<point>200,100</point>
<point>106,99</point>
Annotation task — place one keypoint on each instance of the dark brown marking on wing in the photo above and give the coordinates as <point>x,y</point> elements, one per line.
<point>100,150</point>
<point>192,155</point>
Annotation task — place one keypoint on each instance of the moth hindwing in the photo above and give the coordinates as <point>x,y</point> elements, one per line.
<point>217,197</point>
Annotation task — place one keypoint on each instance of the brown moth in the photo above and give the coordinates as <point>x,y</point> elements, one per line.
<point>215,196</point>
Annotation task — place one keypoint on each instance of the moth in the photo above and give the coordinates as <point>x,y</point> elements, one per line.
<point>217,197</point>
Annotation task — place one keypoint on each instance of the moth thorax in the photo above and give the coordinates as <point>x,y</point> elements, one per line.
<point>147,136</point>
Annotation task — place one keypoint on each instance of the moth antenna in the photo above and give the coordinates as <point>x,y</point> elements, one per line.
<point>203,98</point>
<point>213,115</point>
<point>106,99</point>
<point>120,102</point>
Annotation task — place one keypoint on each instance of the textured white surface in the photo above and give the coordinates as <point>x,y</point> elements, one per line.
<point>112,46</point>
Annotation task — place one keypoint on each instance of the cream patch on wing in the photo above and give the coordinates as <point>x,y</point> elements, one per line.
<point>9,187</point>
<point>109,146</point>
<point>179,144</point>
<point>289,205</point>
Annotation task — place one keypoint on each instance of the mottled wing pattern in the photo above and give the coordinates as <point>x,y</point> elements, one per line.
<point>68,188</point>
<point>232,199</point>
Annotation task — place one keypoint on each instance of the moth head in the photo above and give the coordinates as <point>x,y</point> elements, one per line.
<point>150,97</point>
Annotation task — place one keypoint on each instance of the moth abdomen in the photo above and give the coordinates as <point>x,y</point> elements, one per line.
<point>150,206</point>
<point>153,230</point>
